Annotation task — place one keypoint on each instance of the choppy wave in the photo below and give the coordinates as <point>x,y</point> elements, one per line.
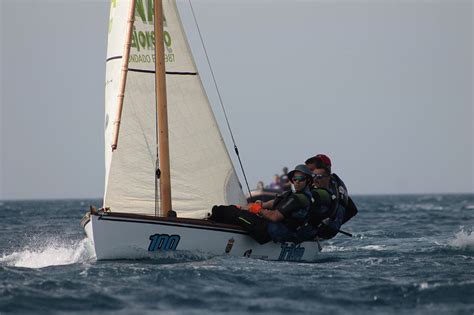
<point>167,257</point>
<point>420,206</point>
<point>400,261</point>
<point>333,248</point>
<point>463,240</point>
<point>49,252</point>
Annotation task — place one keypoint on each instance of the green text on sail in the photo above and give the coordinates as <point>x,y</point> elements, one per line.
<point>146,39</point>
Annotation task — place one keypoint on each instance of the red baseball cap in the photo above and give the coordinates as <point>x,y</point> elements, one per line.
<point>321,161</point>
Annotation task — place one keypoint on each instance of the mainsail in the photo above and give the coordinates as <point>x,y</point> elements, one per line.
<point>202,173</point>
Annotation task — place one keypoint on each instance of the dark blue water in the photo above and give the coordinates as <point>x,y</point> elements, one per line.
<point>409,255</point>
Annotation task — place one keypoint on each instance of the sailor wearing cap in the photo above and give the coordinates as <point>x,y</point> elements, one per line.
<point>278,220</point>
<point>332,206</point>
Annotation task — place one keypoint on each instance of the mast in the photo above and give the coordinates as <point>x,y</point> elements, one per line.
<point>123,77</point>
<point>161,108</point>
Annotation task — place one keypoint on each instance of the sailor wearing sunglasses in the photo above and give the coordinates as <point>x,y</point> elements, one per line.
<point>332,207</point>
<point>278,220</point>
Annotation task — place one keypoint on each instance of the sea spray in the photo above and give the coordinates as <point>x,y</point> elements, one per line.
<point>400,262</point>
<point>49,252</point>
<point>463,240</point>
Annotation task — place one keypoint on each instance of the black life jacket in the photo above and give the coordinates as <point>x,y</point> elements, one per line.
<point>322,207</point>
<point>332,207</point>
<point>300,216</point>
<point>341,199</point>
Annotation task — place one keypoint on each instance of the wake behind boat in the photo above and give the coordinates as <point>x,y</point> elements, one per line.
<point>153,171</point>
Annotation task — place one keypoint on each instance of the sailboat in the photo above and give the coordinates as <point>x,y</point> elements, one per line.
<point>153,171</point>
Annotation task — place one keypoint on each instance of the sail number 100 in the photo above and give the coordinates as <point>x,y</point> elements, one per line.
<point>163,242</point>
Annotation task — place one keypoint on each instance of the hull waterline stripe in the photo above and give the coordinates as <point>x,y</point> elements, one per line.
<point>174,224</point>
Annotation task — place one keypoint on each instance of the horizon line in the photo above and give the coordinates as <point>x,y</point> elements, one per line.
<point>356,194</point>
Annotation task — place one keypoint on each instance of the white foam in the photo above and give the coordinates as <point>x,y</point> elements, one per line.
<point>426,286</point>
<point>51,252</point>
<point>374,247</point>
<point>463,240</point>
<point>423,285</point>
<point>332,248</point>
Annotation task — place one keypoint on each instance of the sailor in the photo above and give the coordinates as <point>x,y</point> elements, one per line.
<point>328,215</point>
<point>284,180</point>
<point>290,210</point>
<point>278,219</point>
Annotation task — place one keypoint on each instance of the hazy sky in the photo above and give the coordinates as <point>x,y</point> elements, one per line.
<point>383,87</point>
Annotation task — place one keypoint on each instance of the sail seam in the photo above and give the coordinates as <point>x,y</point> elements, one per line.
<point>113,58</point>
<point>167,72</point>
<point>181,73</point>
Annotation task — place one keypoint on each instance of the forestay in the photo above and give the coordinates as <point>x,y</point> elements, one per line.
<point>202,173</point>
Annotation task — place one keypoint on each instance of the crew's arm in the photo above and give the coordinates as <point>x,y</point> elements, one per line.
<point>268,204</point>
<point>289,206</point>
<point>271,215</point>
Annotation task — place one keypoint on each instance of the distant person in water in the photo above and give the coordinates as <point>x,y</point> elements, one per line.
<point>328,218</point>
<point>284,180</point>
<point>280,221</point>
<point>276,183</point>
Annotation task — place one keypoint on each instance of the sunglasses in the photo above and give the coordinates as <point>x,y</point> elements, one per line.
<point>320,176</point>
<point>299,178</point>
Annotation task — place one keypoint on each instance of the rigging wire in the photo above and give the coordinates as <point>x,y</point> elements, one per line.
<point>220,99</point>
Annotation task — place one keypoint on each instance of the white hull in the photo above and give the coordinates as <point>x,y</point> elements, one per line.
<point>126,236</point>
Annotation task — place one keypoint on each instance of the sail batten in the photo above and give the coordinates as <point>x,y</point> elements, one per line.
<point>202,173</point>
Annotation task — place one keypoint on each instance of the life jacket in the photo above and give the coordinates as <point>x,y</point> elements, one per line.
<point>322,206</point>
<point>300,216</point>
<point>351,211</point>
<point>339,194</point>
<point>342,199</point>
<point>332,207</point>
<point>328,201</point>
<point>320,209</point>
<point>342,209</point>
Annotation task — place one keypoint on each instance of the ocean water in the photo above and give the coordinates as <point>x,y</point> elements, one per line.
<point>409,255</point>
